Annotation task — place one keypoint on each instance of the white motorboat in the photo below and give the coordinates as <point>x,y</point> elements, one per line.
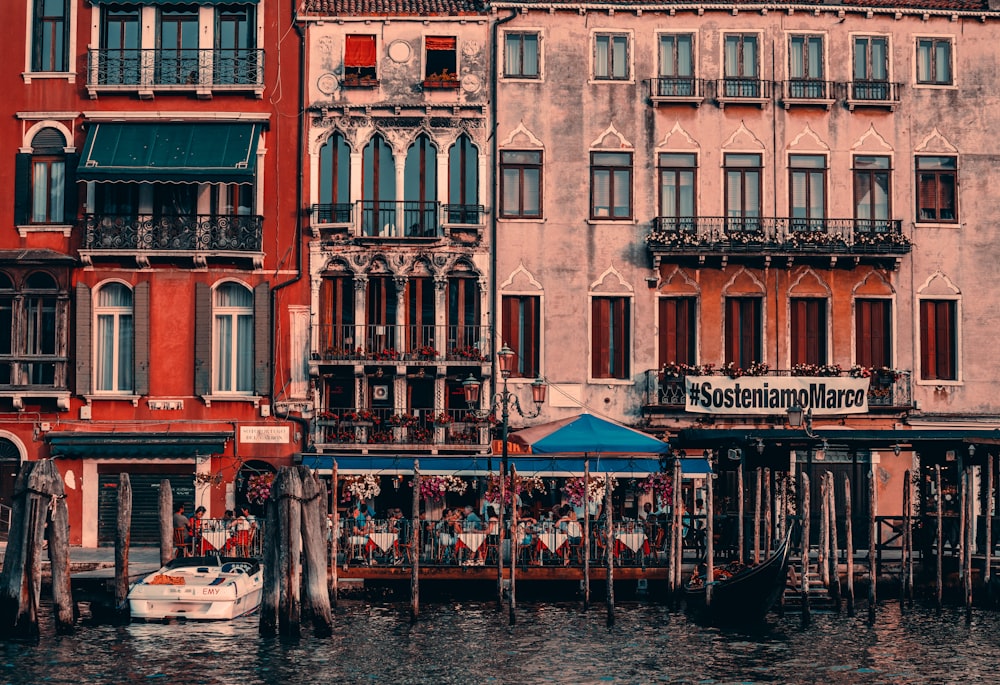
<point>209,588</point>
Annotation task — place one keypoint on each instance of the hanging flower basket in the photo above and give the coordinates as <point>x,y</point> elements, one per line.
<point>574,489</point>
<point>363,487</point>
<point>434,488</point>
<point>259,487</point>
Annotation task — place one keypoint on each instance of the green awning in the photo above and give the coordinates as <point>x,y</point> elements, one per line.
<point>85,444</point>
<point>170,152</point>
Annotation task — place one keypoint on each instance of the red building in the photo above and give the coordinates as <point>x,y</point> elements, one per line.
<point>148,254</point>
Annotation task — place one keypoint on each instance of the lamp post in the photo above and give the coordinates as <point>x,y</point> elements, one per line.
<point>504,399</point>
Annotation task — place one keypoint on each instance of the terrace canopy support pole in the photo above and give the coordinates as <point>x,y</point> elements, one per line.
<point>166,511</point>
<point>515,540</point>
<point>709,539</point>
<point>317,598</point>
<point>416,544</point>
<point>756,516</point>
<point>806,616</point>
<point>907,539</point>
<point>872,540</point>
<point>123,536</point>
<point>676,532</point>
<point>988,515</point>
<point>768,522</point>
<point>740,511</point>
<point>586,535</point>
<point>334,536</point>
<point>610,532</point>
<point>939,514</point>
<point>849,545</point>
<point>969,545</point>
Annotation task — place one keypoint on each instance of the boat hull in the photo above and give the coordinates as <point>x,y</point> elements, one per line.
<point>745,598</point>
<point>199,588</point>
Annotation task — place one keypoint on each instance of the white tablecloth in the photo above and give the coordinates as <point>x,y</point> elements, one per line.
<point>215,538</point>
<point>552,541</point>
<point>384,541</point>
<point>472,540</point>
<point>634,541</point>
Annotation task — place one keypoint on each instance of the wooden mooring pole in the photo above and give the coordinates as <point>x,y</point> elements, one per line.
<point>834,554</point>
<point>676,534</point>
<point>969,542</point>
<point>515,540</point>
<point>710,540</point>
<point>314,552</point>
<point>123,536</point>
<point>804,487</point>
<point>166,512</point>
<point>500,533</point>
<point>281,602</point>
<point>988,515</point>
<point>907,570</point>
<point>756,516</point>
<point>822,552</point>
<point>768,523</point>
<point>610,541</point>
<point>39,502</point>
<point>872,541</point>
<point>334,536</point>
<point>849,545</point>
<point>740,513</point>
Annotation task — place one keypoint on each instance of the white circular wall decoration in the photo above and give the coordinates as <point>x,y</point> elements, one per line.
<point>399,51</point>
<point>470,83</point>
<point>327,84</point>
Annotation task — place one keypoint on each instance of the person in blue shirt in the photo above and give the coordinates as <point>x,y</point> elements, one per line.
<point>471,522</point>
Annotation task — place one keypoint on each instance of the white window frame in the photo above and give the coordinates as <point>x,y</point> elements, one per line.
<point>953,85</point>
<point>236,344</point>
<point>116,312</point>
<point>629,58</point>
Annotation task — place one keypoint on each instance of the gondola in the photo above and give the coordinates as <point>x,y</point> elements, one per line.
<point>741,595</point>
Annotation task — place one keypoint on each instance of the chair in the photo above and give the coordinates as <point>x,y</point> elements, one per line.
<point>182,547</point>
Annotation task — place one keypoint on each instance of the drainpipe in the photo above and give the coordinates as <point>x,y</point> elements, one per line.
<point>494,189</point>
<point>304,424</point>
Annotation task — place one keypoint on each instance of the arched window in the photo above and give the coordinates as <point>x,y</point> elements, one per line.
<point>40,296</point>
<point>420,188</point>
<point>463,182</point>
<point>114,354</point>
<point>378,189</point>
<point>334,181</point>
<point>45,181</point>
<point>233,329</point>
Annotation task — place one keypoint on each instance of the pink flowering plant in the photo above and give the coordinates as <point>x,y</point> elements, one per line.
<point>364,487</point>
<point>574,489</point>
<point>434,488</point>
<point>522,484</point>
<point>259,487</point>
<point>660,484</point>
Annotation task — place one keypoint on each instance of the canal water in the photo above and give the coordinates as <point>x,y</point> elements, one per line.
<point>471,642</point>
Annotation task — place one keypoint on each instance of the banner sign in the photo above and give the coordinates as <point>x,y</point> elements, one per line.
<point>776,394</point>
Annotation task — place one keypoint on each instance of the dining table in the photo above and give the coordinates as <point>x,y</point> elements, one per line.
<point>213,539</point>
<point>382,541</point>
<point>551,541</point>
<point>470,540</point>
<point>632,540</point>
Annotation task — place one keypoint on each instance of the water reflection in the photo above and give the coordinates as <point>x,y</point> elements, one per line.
<point>470,642</point>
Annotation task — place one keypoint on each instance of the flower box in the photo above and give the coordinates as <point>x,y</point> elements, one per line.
<point>441,84</point>
<point>360,82</point>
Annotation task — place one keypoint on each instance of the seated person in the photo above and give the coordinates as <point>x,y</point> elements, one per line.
<point>471,522</point>
<point>574,532</point>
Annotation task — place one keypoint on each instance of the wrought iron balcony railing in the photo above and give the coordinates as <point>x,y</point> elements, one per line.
<point>807,92</point>
<point>397,219</point>
<point>886,390</point>
<point>687,89</point>
<point>872,93</point>
<point>180,232</point>
<point>748,89</point>
<point>150,68</point>
<point>404,343</point>
<point>777,235</point>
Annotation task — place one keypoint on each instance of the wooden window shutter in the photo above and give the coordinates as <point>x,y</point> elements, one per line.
<point>84,339</point>
<point>732,329</point>
<point>262,339</point>
<point>622,337</point>
<point>599,337</point>
<point>863,343</point>
<point>202,339</point>
<point>326,321</point>
<point>71,194</point>
<point>140,323</point>
<point>22,189</point>
<point>530,356</point>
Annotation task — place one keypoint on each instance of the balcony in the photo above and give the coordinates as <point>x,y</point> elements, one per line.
<point>35,378</point>
<point>807,93</point>
<point>407,220</point>
<point>886,392</point>
<point>666,90</point>
<point>195,236</point>
<point>148,70</point>
<point>742,91</point>
<point>405,344</point>
<point>873,94</point>
<point>725,238</point>
<point>413,430</point>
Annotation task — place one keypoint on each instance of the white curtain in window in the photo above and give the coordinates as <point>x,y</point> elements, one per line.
<point>667,66</point>
<point>879,61</point>
<point>244,353</point>
<point>684,56</point>
<point>115,339</point>
<point>223,366</point>
<point>623,191</point>
<point>815,58</point>
<point>732,56</point>
<point>942,62</point>
<point>752,180</point>
<point>816,196</point>
<point>529,55</point>
<point>233,363</point>
<point>532,188</point>
<point>734,195</point>
<point>601,57</point>
<point>602,192</point>
<point>512,55</point>
<point>796,65</point>
<point>687,193</point>
<point>880,204</point>
<point>924,62</point>
<point>619,60</point>
<point>750,57</point>
<point>668,194</point>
